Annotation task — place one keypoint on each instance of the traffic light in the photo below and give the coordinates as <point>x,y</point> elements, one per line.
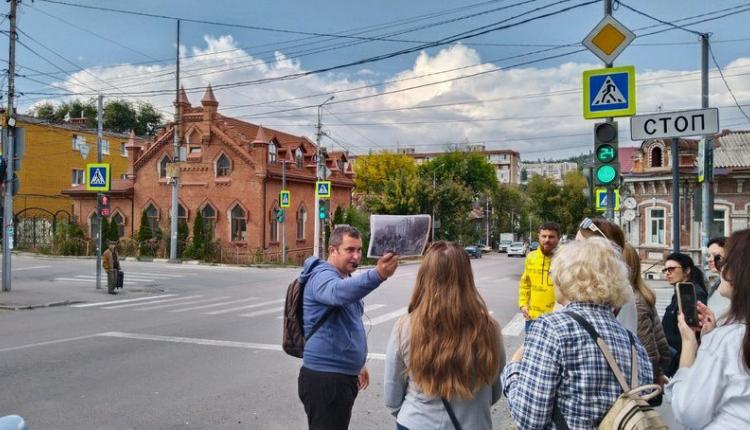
<point>3,169</point>
<point>104,209</point>
<point>606,166</point>
<point>279,215</point>
<point>323,209</point>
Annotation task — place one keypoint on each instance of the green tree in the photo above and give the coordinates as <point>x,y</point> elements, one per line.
<point>545,201</point>
<point>120,116</point>
<point>105,230</point>
<point>114,231</point>
<point>575,204</point>
<point>147,119</point>
<point>389,183</point>
<point>45,111</point>
<point>145,236</point>
<point>183,231</point>
<point>338,216</point>
<point>507,202</point>
<point>197,247</point>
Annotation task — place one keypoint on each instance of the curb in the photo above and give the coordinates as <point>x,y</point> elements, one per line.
<point>43,305</point>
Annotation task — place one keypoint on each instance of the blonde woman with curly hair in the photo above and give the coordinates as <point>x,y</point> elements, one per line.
<point>444,357</point>
<point>560,371</point>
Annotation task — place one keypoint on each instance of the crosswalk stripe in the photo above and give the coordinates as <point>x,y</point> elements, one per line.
<point>139,299</point>
<point>129,278</point>
<point>213,305</point>
<point>256,305</point>
<point>191,302</point>
<point>104,280</point>
<point>155,301</point>
<point>263,312</point>
<point>156,275</point>
<point>368,308</point>
<point>389,316</point>
<point>18,269</point>
<point>515,326</point>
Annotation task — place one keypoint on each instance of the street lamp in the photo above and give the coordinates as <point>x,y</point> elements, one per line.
<point>319,174</point>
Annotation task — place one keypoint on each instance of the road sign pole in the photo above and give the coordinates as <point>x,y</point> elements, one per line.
<point>708,161</point>
<point>8,229</point>
<point>99,139</point>
<point>675,195</point>
<point>283,210</point>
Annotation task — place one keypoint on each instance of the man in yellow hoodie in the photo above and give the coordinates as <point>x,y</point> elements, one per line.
<point>536,294</point>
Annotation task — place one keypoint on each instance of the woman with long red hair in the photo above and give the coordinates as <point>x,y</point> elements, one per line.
<point>444,357</point>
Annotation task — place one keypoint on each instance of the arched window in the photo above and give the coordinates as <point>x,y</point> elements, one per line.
<point>163,166</point>
<point>656,157</point>
<point>274,231</point>
<point>182,215</point>
<point>299,158</point>
<point>93,225</point>
<point>118,219</point>
<point>239,224</point>
<point>223,166</point>
<point>209,217</point>
<point>272,152</point>
<point>152,214</point>
<point>301,221</point>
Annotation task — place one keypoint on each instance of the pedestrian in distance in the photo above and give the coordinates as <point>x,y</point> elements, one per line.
<point>650,331</point>
<point>333,367</point>
<point>602,227</point>
<point>711,389</point>
<point>679,267</point>
<point>444,357</point>
<point>560,373</point>
<point>111,265</point>
<point>536,292</point>
<point>718,303</point>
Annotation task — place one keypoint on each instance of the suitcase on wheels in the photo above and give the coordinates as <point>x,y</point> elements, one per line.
<point>120,279</point>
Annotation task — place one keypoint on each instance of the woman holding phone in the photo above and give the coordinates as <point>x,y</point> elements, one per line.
<point>679,267</point>
<point>711,389</point>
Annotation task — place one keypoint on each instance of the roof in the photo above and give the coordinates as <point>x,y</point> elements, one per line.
<point>625,157</point>
<point>117,187</point>
<point>732,149</point>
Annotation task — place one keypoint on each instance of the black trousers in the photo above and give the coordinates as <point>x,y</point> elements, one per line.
<point>328,398</point>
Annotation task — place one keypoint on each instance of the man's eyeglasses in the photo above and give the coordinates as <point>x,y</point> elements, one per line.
<point>669,269</point>
<point>588,224</point>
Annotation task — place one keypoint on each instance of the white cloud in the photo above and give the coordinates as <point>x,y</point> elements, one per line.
<point>535,110</point>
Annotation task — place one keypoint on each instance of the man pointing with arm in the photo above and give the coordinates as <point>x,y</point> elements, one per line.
<point>333,367</point>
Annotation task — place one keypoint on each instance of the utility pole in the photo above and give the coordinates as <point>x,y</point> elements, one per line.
<point>283,211</point>
<point>610,188</point>
<point>675,195</point>
<point>319,174</point>
<point>487,221</point>
<point>175,158</point>
<point>707,205</point>
<point>9,231</point>
<point>99,141</point>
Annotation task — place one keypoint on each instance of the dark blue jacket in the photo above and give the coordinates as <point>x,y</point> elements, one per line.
<point>340,345</point>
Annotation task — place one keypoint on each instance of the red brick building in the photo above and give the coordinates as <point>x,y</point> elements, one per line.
<point>232,173</point>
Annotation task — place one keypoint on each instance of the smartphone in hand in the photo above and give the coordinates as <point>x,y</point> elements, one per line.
<point>687,302</point>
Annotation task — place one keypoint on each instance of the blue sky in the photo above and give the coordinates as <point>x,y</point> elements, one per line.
<point>528,108</point>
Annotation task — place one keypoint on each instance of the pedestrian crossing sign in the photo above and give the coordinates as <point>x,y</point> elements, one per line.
<point>323,189</point>
<point>285,199</point>
<point>601,199</point>
<point>98,177</point>
<point>609,92</point>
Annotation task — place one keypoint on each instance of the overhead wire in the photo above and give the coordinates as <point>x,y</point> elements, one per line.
<point>726,84</point>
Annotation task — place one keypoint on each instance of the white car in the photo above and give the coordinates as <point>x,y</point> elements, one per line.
<point>517,248</point>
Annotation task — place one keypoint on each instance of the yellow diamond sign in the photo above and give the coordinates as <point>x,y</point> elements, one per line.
<point>608,39</point>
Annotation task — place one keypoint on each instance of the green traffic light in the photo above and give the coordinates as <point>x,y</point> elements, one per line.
<point>605,153</point>
<point>606,174</point>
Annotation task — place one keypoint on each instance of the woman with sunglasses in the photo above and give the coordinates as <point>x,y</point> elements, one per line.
<point>601,227</point>
<point>711,389</point>
<point>679,267</point>
<point>716,302</point>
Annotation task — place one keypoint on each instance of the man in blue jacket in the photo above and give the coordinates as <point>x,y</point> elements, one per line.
<point>333,366</point>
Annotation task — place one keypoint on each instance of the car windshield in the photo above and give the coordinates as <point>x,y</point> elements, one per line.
<point>505,241</point>
<point>517,244</point>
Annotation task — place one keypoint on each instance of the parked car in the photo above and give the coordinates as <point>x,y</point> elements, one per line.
<point>474,251</point>
<point>504,244</point>
<point>485,248</point>
<point>533,246</point>
<point>517,248</point>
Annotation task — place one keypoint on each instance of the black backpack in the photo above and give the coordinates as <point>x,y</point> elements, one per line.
<point>294,339</point>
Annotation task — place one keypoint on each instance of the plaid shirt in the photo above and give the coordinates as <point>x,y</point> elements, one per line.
<point>561,363</point>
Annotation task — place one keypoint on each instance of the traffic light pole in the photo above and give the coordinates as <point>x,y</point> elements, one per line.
<point>8,230</point>
<point>99,138</point>
<point>283,211</point>
<point>675,195</point>
<point>610,214</point>
<point>707,205</point>
<point>319,173</point>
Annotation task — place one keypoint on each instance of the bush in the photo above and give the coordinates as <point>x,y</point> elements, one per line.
<point>69,240</point>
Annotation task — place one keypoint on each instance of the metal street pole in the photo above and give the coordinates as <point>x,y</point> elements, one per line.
<point>675,195</point>
<point>610,214</point>
<point>707,205</point>
<point>175,158</point>
<point>99,142</point>
<point>487,221</point>
<point>10,115</point>
<point>283,210</point>
<point>319,172</point>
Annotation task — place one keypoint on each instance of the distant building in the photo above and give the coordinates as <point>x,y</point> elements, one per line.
<point>507,163</point>
<point>649,182</point>
<point>555,171</point>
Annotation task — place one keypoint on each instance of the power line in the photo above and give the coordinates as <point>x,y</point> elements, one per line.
<point>726,84</point>
<point>679,27</point>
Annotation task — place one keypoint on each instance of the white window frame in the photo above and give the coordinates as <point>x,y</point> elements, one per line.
<point>123,150</point>
<point>78,141</point>
<point>650,218</point>
<point>724,219</point>
<point>78,177</point>
<point>301,223</point>
<point>241,235</point>
<point>273,153</point>
<point>105,146</point>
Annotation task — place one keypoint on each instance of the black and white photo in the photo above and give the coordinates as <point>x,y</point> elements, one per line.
<point>405,235</point>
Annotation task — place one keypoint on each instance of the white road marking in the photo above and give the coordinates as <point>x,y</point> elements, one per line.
<point>206,342</point>
<point>155,301</point>
<point>256,305</point>
<point>191,302</point>
<point>155,275</point>
<point>389,316</point>
<point>140,299</point>
<point>515,326</point>
<point>215,305</point>
<point>263,312</point>
<point>129,278</point>
<point>104,280</point>
<point>364,317</point>
<point>18,269</point>
<point>49,342</point>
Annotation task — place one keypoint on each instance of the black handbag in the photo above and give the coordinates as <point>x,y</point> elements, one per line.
<point>120,279</point>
